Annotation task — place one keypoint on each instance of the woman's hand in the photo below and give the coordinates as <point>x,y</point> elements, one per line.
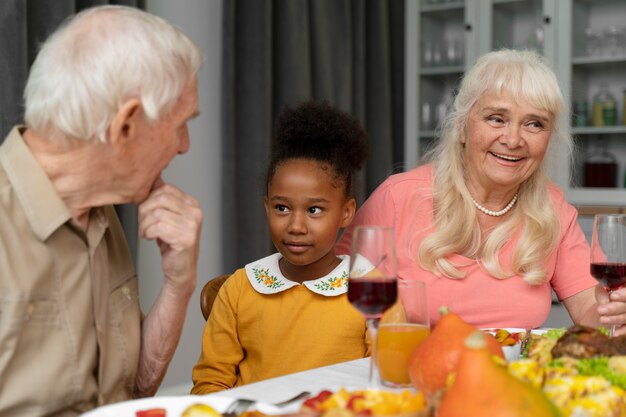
<point>612,311</point>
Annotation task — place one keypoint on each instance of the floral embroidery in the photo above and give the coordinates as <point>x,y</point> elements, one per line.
<point>332,283</point>
<point>263,277</point>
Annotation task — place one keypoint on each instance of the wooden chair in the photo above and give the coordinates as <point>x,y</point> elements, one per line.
<point>209,293</point>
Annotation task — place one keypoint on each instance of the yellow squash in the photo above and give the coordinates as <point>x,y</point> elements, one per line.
<point>484,388</point>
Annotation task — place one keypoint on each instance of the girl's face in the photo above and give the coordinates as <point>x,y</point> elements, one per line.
<point>505,141</point>
<point>305,209</point>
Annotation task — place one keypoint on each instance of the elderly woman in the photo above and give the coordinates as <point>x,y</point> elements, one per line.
<point>481,223</point>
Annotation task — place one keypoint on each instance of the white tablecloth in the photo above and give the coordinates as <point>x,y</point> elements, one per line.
<point>352,375</point>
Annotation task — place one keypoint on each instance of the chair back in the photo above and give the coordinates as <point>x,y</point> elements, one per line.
<point>209,293</point>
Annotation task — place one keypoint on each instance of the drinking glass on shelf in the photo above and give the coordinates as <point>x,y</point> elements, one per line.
<point>427,54</point>
<point>613,40</point>
<point>427,117</point>
<point>372,280</point>
<point>592,42</point>
<point>438,54</point>
<point>608,252</point>
<point>404,326</point>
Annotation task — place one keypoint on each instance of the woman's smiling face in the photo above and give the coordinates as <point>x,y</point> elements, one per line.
<point>505,142</point>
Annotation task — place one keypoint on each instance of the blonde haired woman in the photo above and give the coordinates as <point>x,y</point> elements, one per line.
<point>481,223</point>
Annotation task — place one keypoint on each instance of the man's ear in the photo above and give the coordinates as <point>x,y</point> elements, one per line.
<point>125,122</point>
<point>349,209</point>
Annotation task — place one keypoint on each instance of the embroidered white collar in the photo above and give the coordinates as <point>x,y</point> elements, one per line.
<point>265,277</point>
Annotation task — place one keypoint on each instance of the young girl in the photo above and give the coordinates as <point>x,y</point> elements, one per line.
<point>289,312</point>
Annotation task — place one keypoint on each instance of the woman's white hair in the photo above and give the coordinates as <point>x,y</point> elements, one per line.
<point>100,58</point>
<point>526,77</point>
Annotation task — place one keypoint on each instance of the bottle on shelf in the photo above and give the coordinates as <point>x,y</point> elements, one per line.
<point>580,118</point>
<point>600,166</point>
<point>604,112</point>
<point>624,109</point>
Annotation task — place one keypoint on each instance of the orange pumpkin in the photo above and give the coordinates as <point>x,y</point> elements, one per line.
<point>437,355</point>
<point>484,388</point>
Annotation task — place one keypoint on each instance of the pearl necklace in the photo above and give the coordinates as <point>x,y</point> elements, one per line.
<point>496,213</point>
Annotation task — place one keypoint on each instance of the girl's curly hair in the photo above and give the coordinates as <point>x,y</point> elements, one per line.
<point>320,132</point>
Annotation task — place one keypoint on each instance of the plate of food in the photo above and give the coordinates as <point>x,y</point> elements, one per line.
<point>182,406</point>
<point>580,369</point>
<point>345,402</point>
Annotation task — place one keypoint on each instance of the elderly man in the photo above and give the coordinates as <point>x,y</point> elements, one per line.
<point>107,105</point>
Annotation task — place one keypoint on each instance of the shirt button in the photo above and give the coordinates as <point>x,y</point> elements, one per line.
<point>126,291</point>
<point>30,309</point>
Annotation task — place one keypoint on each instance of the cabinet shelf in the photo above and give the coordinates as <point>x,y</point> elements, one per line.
<point>443,70</point>
<point>596,61</point>
<point>507,1</point>
<point>582,196</point>
<point>605,130</point>
<point>441,7</point>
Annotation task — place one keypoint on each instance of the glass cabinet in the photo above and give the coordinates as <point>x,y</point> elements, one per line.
<point>598,89</point>
<point>585,42</point>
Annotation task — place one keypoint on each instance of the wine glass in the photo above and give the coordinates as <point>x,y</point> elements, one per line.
<point>372,280</point>
<point>608,252</point>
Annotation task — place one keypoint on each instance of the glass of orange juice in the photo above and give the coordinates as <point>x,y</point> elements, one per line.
<point>403,326</point>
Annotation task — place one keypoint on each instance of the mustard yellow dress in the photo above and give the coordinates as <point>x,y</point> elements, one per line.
<point>263,325</point>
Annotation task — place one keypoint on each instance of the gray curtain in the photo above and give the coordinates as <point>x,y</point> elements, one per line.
<point>24,24</point>
<point>278,52</point>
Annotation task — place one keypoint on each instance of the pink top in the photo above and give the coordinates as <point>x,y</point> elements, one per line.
<point>404,201</point>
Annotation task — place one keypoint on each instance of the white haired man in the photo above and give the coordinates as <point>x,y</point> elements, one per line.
<point>107,103</point>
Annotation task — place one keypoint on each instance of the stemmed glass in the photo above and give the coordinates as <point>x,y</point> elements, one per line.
<point>608,252</point>
<point>372,280</point>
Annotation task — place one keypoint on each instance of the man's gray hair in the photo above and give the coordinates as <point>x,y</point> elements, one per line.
<point>100,58</point>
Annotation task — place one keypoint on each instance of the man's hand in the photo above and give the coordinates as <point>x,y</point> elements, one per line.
<point>174,220</point>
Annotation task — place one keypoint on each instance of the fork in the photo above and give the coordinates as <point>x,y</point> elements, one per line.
<point>526,340</point>
<point>240,405</point>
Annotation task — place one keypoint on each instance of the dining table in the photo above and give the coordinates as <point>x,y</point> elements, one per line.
<point>351,375</point>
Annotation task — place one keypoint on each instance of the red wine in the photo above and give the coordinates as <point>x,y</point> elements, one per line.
<point>372,296</point>
<point>611,275</point>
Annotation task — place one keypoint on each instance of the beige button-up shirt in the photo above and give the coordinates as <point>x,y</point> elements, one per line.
<point>69,308</point>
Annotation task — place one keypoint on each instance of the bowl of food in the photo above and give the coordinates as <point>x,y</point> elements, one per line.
<point>511,339</point>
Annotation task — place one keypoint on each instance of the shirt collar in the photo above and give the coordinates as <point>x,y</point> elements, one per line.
<point>265,277</point>
<point>44,208</point>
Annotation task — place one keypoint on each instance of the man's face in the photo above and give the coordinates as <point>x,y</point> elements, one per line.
<point>156,144</point>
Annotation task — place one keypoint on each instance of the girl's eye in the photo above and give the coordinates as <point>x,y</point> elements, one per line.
<point>315,210</point>
<point>281,208</point>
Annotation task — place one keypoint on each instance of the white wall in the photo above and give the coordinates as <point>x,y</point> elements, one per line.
<point>197,173</point>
